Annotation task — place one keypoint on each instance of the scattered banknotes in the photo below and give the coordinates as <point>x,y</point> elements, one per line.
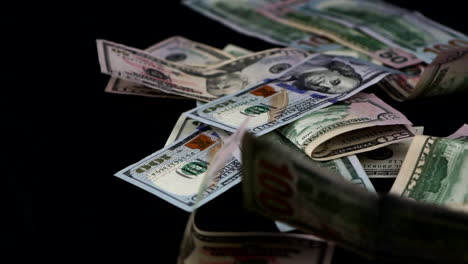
<point>395,26</point>
<point>386,162</point>
<point>252,247</point>
<point>290,189</point>
<point>448,73</point>
<point>242,17</point>
<point>201,83</point>
<point>316,82</point>
<point>313,16</point>
<point>358,124</point>
<point>401,86</point>
<point>460,134</point>
<point>177,49</point>
<point>176,172</point>
<point>435,171</point>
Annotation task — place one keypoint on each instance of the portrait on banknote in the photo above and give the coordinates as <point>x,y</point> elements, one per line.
<point>225,83</point>
<point>333,78</point>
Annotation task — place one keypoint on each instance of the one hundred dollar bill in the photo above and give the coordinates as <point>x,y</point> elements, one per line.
<point>460,134</point>
<point>201,246</point>
<point>358,124</point>
<point>435,171</point>
<point>242,17</point>
<point>184,127</point>
<point>313,16</point>
<point>177,49</point>
<point>176,172</point>
<point>397,27</point>
<point>290,189</point>
<point>317,82</point>
<point>386,162</point>
<point>201,83</point>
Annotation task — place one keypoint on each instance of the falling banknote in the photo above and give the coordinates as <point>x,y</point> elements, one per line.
<point>176,49</point>
<point>241,16</point>
<point>288,188</point>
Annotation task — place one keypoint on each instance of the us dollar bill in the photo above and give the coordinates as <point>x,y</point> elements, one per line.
<point>290,189</point>
<point>395,26</point>
<point>460,134</point>
<point>314,16</point>
<point>347,167</point>
<point>386,162</point>
<point>176,172</point>
<point>435,171</point>
<point>183,127</point>
<point>201,246</point>
<point>358,124</point>
<point>242,17</point>
<point>317,82</point>
<point>177,49</point>
<point>401,86</point>
<point>446,74</point>
<point>201,83</point>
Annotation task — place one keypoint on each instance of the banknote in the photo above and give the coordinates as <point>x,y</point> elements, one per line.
<point>435,171</point>
<point>183,127</point>
<point>395,26</point>
<point>176,49</point>
<point>181,50</point>
<point>460,134</point>
<point>384,227</point>
<point>349,167</point>
<point>317,82</point>
<point>448,73</point>
<point>201,83</point>
<point>352,53</point>
<point>176,172</point>
<point>242,17</point>
<point>386,162</point>
<point>358,124</point>
<point>236,51</point>
<point>401,86</point>
<point>201,246</point>
<point>314,16</point>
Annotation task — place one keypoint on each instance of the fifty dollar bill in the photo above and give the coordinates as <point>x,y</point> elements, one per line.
<point>202,83</point>
<point>176,49</point>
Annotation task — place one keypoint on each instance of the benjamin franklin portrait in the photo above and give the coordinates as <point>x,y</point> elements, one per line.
<point>333,78</point>
<point>225,83</point>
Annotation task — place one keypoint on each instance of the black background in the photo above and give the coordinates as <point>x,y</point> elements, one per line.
<point>64,138</point>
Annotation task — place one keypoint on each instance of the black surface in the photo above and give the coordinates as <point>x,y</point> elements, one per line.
<point>65,137</point>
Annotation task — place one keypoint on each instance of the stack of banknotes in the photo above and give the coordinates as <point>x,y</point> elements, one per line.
<point>294,124</point>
